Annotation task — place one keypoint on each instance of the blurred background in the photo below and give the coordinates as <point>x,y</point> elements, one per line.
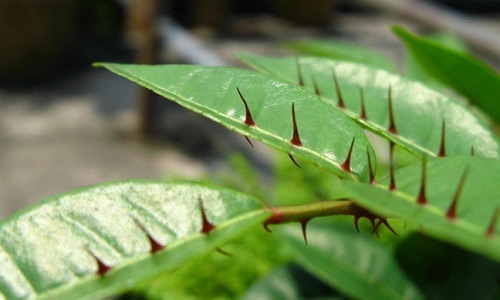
<point>64,124</point>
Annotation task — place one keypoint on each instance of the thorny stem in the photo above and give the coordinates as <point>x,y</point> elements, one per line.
<point>298,213</point>
<point>304,213</point>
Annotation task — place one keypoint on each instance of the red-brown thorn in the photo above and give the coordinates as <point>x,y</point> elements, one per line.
<point>442,146</point>
<point>248,116</point>
<point>206,225</point>
<point>392,123</point>
<point>316,88</point>
<point>155,245</point>
<point>370,167</point>
<point>248,140</point>
<point>359,213</point>
<point>452,210</point>
<point>102,268</point>
<point>225,253</point>
<point>422,198</point>
<point>337,89</point>
<point>392,185</point>
<point>346,166</point>
<point>362,114</point>
<point>303,226</point>
<point>490,231</point>
<point>294,161</point>
<point>384,221</point>
<point>295,137</point>
<point>275,218</point>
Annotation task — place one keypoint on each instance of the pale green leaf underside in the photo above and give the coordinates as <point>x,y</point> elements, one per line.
<point>355,264</point>
<point>476,205</point>
<point>326,133</point>
<point>418,110</point>
<point>44,251</point>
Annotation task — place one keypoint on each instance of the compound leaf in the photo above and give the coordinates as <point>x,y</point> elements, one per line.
<point>419,112</point>
<point>325,132</point>
<point>477,206</point>
<point>59,249</point>
<point>461,71</point>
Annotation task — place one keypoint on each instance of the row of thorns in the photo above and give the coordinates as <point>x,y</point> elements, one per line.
<point>356,211</point>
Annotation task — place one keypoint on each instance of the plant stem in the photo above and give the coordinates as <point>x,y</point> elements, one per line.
<point>301,213</point>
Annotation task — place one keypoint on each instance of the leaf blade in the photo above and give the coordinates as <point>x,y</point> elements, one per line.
<point>50,245</point>
<point>353,263</point>
<point>461,71</point>
<point>479,199</point>
<point>418,110</point>
<point>270,102</point>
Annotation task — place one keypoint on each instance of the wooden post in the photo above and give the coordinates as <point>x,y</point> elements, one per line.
<point>143,36</point>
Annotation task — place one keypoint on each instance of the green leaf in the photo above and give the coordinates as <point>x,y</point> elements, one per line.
<point>463,72</point>
<point>355,264</point>
<point>476,206</point>
<point>418,110</point>
<point>326,133</point>
<point>47,251</point>
<point>342,51</point>
<point>279,284</point>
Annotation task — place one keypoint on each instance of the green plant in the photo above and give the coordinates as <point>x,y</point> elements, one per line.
<point>103,240</point>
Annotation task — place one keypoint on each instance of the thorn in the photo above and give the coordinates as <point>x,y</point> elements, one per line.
<point>374,226</point>
<point>442,146</point>
<point>102,268</point>
<point>275,218</point>
<point>316,88</point>
<point>155,245</point>
<point>337,88</point>
<point>370,168</point>
<point>294,161</point>
<point>452,210</point>
<point>490,231</point>
<point>471,150</point>
<point>295,138</point>
<point>303,225</point>
<point>356,221</point>
<point>206,225</point>
<point>218,249</point>
<point>362,114</point>
<point>299,71</point>
<point>386,223</point>
<point>346,166</point>
<point>392,185</point>
<point>248,140</point>
<point>392,124</point>
<point>422,198</point>
<point>248,117</point>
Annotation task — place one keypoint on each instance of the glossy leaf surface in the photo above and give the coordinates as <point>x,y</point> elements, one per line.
<point>51,251</point>
<point>464,73</point>
<point>475,209</point>
<point>325,132</point>
<point>342,51</point>
<point>354,263</point>
<point>418,110</point>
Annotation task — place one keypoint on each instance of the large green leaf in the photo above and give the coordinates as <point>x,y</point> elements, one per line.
<point>353,263</point>
<point>476,206</point>
<point>47,251</point>
<point>326,133</point>
<point>463,72</point>
<point>341,50</point>
<point>418,110</point>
